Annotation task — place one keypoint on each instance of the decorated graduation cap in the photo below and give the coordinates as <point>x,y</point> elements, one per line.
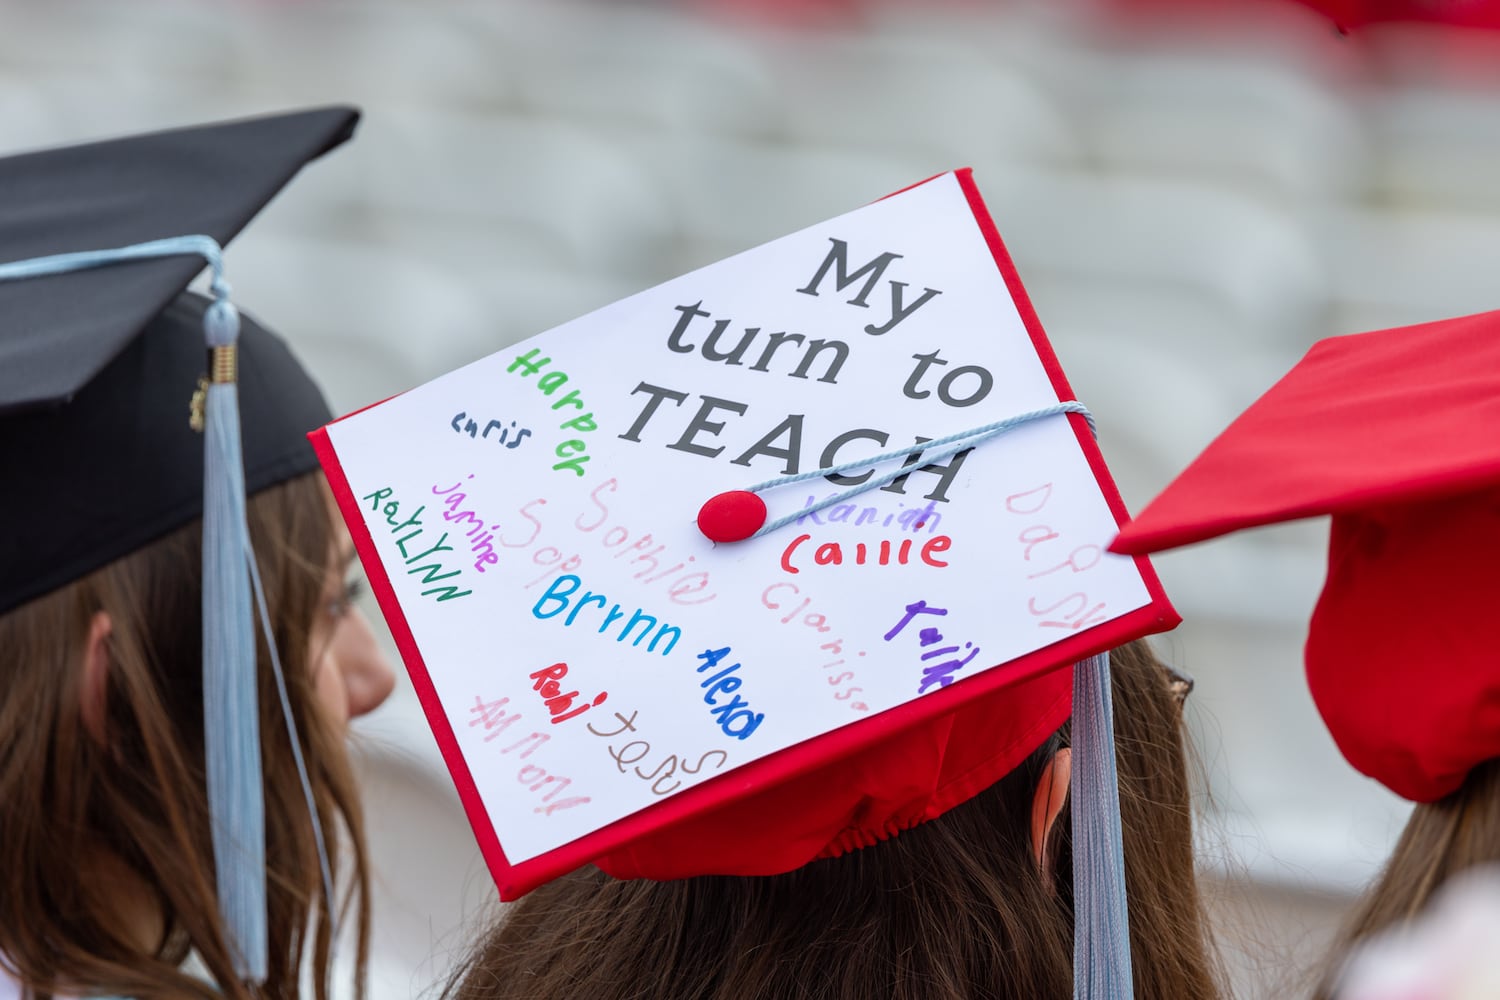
<point>762,565</point>
<point>116,427</point>
<point>1389,432</point>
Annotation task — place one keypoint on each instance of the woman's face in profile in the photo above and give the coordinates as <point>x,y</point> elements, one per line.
<point>351,673</point>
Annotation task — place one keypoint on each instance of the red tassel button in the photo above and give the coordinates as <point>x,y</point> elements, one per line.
<point>732,516</point>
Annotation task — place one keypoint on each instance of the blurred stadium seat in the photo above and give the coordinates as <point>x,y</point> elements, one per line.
<point>1191,204</point>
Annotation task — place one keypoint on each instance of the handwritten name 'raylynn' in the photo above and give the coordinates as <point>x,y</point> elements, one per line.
<point>408,530</point>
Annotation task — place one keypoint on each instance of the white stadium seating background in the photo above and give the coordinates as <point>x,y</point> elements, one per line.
<point>1190,209</point>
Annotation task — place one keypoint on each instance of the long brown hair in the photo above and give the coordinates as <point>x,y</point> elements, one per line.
<point>1441,839</point>
<point>138,796</point>
<point>953,908</point>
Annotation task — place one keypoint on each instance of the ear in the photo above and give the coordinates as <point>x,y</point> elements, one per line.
<point>93,693</point>
<point>1051,794</point>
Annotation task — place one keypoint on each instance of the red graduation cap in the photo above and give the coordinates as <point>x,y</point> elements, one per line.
<point>1393,433</point>
<point>805,692</point>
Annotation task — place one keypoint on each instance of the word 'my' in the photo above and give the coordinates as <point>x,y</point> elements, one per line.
<point>572,450</point>
<point>734,716</point>
<point>409,530</point>
<point>939,674</point>
<point>548,683</point>
<point>558,599</point>
<point>471,427</point>
<point>837,260</point>
<point>713,346</point>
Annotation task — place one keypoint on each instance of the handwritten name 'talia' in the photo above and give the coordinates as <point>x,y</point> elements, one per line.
<point>408,529</point>
<point>548,683</point>
<point>883,554</point>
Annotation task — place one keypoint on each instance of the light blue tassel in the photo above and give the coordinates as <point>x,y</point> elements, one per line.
<point>1101,917</point>
<point>231,719</point>
<point>83,260</point>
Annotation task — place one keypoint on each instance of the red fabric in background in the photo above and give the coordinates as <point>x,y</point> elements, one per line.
<point>1363,421</point>
<point>1346,15</point>
<point>1400,659</point>
<point>1397,434</point>
<point>1350,15</point>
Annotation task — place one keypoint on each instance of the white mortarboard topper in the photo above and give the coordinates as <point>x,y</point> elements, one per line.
<point>599,672</point>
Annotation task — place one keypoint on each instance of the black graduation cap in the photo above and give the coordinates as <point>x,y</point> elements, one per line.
<point>101,356</point>
<point>98,366</point>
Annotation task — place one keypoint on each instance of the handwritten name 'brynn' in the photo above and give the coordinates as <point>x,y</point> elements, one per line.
<point>409,530</point>
<point>559,598</point>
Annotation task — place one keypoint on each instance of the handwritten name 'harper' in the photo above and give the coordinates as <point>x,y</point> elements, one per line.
<point>408,531</point>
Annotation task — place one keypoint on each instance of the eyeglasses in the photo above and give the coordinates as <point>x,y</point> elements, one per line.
<point>1178,683</point>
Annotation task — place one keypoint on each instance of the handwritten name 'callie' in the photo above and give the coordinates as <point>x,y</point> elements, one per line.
<point>832,553</point>
<point>408,531</point>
